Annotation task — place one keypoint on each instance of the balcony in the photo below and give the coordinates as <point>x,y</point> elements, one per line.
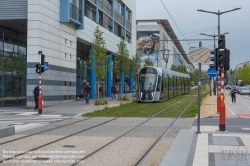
<point>93,1</point>
<point>70,13</point>
<point>128,25</point>
<point>106,7</point>
<point>119,18</point>
<point>75,13</point>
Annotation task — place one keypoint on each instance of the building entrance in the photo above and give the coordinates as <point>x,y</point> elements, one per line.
<point>12,67</point>
<point>82,68</point>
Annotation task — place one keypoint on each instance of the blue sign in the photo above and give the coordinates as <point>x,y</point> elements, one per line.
<point>215,82</point>
<point>46,65</point>
<point>211,72</point>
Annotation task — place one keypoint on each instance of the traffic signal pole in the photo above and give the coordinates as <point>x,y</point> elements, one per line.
<point>40,98</point>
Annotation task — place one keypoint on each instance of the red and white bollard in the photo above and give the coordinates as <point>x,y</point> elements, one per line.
<point>40,98</point>
<point>222,123</point>
<point>218,94</point>
<point>211,86</point>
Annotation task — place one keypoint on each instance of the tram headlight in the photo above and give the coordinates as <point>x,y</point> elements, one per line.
<point>152,94</point>
<point>141,94</point>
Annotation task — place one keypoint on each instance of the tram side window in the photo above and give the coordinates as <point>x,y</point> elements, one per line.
<point>158,88</point>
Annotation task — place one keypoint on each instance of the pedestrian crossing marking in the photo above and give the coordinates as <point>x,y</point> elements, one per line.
<point>27,113</point>
<point>52,115</point>
<point>25,126</point>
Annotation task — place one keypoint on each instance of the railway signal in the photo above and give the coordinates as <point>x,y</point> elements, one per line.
<point>213,59</point>
<point>227,66</point>
<point>42,62</point>
<point>38,68</point>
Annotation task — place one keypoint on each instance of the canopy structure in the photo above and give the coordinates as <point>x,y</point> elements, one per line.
<point>199,55</point>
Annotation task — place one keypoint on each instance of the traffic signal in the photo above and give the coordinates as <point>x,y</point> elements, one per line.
<point>42,62</point>
<point>221,53</point>
<point>213,59</point>
<point>227,66</point>
<point>38,68</point>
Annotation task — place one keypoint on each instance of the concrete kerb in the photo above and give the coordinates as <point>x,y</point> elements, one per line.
<point>227,106</point>
<point>7,131</point>
<point>93,108</point>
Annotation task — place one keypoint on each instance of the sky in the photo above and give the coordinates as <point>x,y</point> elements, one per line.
<point>188,19</point>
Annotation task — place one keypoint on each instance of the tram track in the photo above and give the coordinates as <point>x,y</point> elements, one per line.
<point>57,140</point>
<point>16,139</point>
<point>123,134</point>
<point>75,133</point>
<point>152,147</point>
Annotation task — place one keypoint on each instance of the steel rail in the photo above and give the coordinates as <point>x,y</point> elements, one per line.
<point>144,157</point>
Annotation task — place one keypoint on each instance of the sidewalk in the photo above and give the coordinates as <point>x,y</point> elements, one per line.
<point>212,147</point>
<point>72,109</point>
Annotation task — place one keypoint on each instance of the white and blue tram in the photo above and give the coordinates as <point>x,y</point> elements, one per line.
<point>157,84</point>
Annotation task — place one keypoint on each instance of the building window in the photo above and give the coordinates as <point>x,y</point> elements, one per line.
<point>110,28</point>
<point>12,67</point>
<point>118,6</point>
<point>128,37</point>
<point>101,18</point>
<point>75,9</point>
<point>128,15</point>
<point>90,10</point>
<point>119,31</point>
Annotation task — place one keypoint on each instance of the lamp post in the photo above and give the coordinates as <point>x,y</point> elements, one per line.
<point>218,14</point>
<point>166,58</point>
<point>214,36</point>
<point>235,70</point>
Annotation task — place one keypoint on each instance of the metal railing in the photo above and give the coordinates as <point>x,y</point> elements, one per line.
<point>75,12</point>
<point>106,7</point>
<point>93,1</point>
<point>119,18</point>
<point>128,25</point>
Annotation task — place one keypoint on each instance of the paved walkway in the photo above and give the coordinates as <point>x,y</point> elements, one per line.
<point>212,147</point>
<point>24,119</point>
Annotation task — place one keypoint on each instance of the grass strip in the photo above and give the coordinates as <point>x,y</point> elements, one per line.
<point>175,110</point>
<point>137,109</point>
<point>192,110</point>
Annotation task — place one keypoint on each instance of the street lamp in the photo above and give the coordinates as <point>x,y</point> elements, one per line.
<point>218,13</point>
<point>166,58</point>
<point>235,70</point>
<point>214,36</point>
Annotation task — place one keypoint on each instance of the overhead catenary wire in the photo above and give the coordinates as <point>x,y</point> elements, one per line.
<point>174,21</point>
<point>207,29</point>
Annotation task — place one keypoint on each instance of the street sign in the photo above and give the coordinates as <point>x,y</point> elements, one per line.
<point>211,72</point>
<point>46,65</point>
<point>215,82</point>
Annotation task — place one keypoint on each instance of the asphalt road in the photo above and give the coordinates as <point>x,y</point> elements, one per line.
<point>242,106</point>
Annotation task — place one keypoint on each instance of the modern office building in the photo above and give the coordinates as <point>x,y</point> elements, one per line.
<point>63,31</point>
<point>157,41</point>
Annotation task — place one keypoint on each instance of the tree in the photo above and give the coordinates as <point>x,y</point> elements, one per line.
<point>242,73</point>
<point>122,61</point>
<point>98,57</point>
<point>136,64</point>
<point>180,68</point>
<point>148,62</point>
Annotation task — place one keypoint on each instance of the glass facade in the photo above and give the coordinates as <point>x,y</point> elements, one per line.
<point>82,68</point>
<point>13,67</point>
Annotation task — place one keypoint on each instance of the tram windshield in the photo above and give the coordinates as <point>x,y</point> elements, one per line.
<point>147,79</point>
